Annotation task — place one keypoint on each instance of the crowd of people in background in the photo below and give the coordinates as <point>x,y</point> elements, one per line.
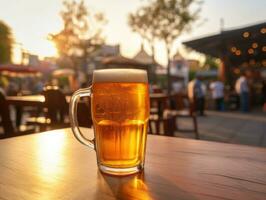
<point>197,91</point>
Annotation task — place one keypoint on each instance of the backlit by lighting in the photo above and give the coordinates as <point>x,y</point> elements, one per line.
<point>251,51</point>
<point>238,52</point>
<point>263,30</point>
<point>264,48</point>
<point>254,45</point>
<point>49,151</point>
<point>137,187</point>
<point>246,34</point>
<point>133,187</point>
<point>233,49</point>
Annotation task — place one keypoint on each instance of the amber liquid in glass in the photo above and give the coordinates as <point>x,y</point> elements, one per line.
<point>120,113</point>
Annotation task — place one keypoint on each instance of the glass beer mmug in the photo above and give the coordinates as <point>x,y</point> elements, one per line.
<point>120,113</point>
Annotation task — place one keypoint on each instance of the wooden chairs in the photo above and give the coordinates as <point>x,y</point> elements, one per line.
<point>158,117</point>
<point>56,111</point>
<point>56,108</point>
<point>165,112</point>
<point>184,108</point>
<point>6,123</point>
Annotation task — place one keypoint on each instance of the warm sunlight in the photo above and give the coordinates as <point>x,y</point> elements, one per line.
<point>47,49</point>
<point>44,48</point>
<point>127,187</point>
<point>42,17</point>
<point>49,149</point>
<point>137,187</point>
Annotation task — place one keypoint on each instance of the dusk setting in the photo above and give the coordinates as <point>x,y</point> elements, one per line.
<point>141,99</point>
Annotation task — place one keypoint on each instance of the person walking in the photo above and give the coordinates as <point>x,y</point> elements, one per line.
<point>199,95</point>
<point>242,90</point>
<point>217,90</point>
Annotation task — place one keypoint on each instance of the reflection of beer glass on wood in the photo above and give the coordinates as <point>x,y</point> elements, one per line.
<point>120,113</point>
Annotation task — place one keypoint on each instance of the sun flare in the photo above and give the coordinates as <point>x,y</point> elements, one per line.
<point>46,48</point>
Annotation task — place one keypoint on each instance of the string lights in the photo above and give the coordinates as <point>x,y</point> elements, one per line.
<point>263,30</point>
<point>246,34</point>
<point>254,45</point>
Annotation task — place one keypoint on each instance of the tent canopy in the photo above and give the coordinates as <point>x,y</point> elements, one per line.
<point>17,69</point>
<point>245,45</point>
<point>14,70</point>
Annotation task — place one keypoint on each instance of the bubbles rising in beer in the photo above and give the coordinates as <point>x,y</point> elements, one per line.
<point>120,113</point>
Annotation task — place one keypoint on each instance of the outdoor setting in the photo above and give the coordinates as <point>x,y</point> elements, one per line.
<point>140,99</point>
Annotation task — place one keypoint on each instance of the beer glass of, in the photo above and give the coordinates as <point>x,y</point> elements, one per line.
<point>120,113</point>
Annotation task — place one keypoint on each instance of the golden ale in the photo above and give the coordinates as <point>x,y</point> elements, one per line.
<point>120,113</point>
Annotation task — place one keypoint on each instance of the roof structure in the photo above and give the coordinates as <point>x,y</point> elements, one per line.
<point>178,56</point>
<point>246,45</point>
<point>17,68</point>
<point>124,62</point>
<point>143,56</point>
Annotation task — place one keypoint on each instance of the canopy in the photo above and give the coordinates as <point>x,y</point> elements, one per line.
<point>241,46</point>
<point>15,70</point>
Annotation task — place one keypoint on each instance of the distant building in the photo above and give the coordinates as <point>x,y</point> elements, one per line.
<point>95,60</point>
<point>239,49</point>
<point>33,60</point>
<point>107,50</point>
<point>179,69</point>
<point>110,57</point>
<point>143,56</point>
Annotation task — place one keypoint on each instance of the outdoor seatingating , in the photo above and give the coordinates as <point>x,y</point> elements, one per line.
<point>167,110</point>
<point>184,108</point>
<point>6,123</point>
<point>158,118</point>
<point>55,110</point>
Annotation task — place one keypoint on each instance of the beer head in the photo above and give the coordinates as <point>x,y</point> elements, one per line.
<point>120,76</point>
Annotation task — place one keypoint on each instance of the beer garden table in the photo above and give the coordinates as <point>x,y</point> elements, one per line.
<point>38,101</point>
<point>27,101</point>
<point>53,165</point>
